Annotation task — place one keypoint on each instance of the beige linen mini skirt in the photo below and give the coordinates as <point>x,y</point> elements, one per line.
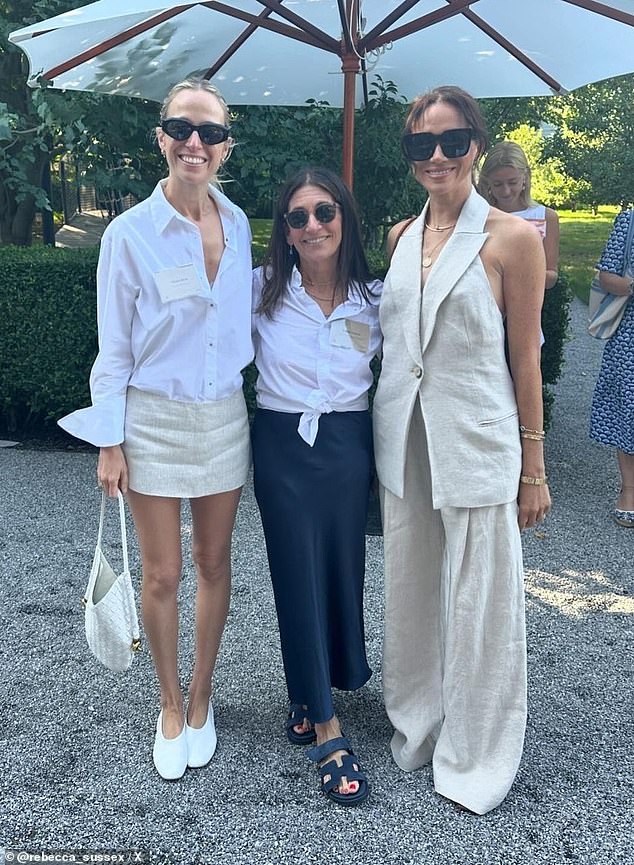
<point>185,449</point>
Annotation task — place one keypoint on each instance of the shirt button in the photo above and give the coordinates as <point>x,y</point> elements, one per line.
<point>417,371</point>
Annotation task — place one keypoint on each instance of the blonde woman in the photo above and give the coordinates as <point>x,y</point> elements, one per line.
<point>505,182</point>
<point>168,413</point>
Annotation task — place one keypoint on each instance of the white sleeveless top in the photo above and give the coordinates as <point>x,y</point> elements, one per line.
<point>536,215</point>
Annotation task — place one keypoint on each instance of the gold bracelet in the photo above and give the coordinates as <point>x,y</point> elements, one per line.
<point>535,482</point>
<point>535,434</point>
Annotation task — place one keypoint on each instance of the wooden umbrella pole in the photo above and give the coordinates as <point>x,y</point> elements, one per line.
<point>350,66</point>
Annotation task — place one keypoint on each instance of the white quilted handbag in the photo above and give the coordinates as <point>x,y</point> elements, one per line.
<point>112,625</point>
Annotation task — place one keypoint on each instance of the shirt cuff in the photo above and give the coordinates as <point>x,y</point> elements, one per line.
<point>101,424</point>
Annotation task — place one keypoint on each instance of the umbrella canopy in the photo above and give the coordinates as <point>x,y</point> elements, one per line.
<point>283,52</point>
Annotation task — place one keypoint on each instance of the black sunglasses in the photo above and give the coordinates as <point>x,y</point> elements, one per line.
<point>324,213</point>
<point>181,130</point>
<point>420,146</point>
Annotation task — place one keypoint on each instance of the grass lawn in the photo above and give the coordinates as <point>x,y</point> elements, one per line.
<point>582,238</point>
<point>261,231</point>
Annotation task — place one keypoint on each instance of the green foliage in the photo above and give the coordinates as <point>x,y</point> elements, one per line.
<point>593,139</point>
<point>383,185</point>
<point>109,133</point>
<point>555,319</point>
<point>275,141</point>
<point>582,237</point>
<point>47,333</point>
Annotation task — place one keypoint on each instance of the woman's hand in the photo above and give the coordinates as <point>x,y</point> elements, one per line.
<point>112,470</point>
<point>534,503</point>
<point>615,284</point>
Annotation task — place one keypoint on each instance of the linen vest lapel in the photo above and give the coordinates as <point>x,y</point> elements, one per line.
<point>455,258</point>
<point>405,276</point>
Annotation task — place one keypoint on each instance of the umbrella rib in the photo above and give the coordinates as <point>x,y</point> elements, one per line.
<point>514,51</point>
<point>378,37</point>
<point>345,26</point>
<point>113,42</point>
<point>320,39</point>
<point>602,9</point>
<point>324,41</point>
<point>237,43</point>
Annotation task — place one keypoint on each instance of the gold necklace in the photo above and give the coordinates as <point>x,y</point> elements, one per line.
<point>317,297</point>
<point>428,257</point>
<point>439,227</point>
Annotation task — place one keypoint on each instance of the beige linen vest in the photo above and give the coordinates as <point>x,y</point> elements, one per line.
<point>446,347</point>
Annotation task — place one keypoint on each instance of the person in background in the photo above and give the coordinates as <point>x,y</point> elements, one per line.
<point>168,412</point>
<point>505,182</point>
<point>612,416</point>
<point>459,456</point>
<point>316,330</point>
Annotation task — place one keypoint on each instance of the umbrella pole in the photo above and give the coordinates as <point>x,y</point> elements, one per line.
<point>350,66</point>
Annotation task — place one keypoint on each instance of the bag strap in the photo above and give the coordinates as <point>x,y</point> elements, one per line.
<point>124,534</point>
<point>628,243</point>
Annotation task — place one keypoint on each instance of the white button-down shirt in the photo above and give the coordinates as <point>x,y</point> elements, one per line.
<point>162,326</point>
<point>309,363</point>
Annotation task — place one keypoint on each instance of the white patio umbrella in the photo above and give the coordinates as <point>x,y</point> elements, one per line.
<point>284,52</point>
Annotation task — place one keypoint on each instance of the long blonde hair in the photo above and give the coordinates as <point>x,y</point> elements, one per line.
<point>505,154</point>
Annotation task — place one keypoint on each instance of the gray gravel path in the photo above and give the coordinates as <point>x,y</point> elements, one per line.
<point>75,757</point>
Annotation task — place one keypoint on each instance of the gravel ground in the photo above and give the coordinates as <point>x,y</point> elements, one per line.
<point>76,741</point>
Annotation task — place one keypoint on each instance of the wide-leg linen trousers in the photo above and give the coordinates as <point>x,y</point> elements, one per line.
<point>454,662</point>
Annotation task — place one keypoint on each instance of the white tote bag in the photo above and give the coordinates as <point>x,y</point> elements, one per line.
<point>112,625</point>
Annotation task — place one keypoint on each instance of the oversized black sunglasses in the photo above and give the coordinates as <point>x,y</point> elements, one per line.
<point>419,146</point>
<point>324,213</point>
<point>181,130</point>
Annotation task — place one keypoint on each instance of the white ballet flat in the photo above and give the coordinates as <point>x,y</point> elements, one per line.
<point>169,755</point>
<point>201,741</point>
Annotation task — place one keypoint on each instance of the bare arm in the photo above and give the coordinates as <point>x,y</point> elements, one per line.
<point>615,284</point>
<point>394,235</point>
<point>551,247</point>
<point>523,281</point>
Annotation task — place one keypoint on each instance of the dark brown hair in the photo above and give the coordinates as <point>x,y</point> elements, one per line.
<point>352,267</point>
<point>462,102</point>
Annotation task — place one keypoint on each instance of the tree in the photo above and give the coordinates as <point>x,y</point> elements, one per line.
<point>38,126</point>
<point>593,139</point>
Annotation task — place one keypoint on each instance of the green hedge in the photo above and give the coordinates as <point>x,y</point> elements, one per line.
<point>555,319</point>
<point>48,334</point>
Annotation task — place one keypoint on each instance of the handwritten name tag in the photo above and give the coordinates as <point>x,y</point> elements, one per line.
<point>346,333</point>
<point>177,283</point>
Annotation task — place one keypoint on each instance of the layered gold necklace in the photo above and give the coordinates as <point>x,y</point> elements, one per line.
<point>428,256</point>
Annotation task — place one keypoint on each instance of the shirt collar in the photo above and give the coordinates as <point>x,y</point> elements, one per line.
<point>356,300</point>
<point>163,212</point>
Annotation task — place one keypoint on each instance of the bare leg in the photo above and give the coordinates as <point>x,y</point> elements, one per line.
<point>626,465</point>
<point>212,518</point>
<point>157,522</point>
<point>332,730</point>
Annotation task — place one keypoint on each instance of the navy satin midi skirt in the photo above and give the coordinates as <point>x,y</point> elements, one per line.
<point>313,502</point>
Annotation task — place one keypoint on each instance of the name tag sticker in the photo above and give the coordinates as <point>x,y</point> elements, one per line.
<point>339,335</point>
<point>359,333</point>
<point>177,283</point>
<point>346,333</point>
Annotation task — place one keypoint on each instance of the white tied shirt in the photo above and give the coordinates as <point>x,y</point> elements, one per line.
<point>312,364</point>
<point>162,326</point>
